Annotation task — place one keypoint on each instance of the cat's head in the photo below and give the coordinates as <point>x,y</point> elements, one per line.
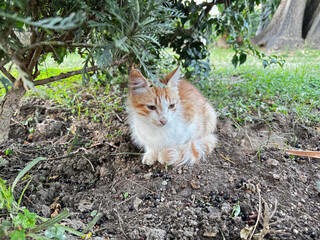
<point>156,105</point>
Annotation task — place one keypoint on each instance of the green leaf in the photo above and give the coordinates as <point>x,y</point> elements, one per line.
<point>6,83</point>
<point>93,213</point>
<point>74,20</point>
<point>45,225</point>
<point>59,55</point>
<point>126,195</point>
<point>9,152</point>
<point>243,58</point>
<point>6,197</point>
<point>236,210</point>
<point>28,220</point>
<point>93,222</point>
<point>38,237</point>
<point>235,60</point>
<point>55,232</point>
<point>25,170</point>
<point>19,25</point>
<point>17,235</point>
<point>4,227</point>
<point>265,63</point>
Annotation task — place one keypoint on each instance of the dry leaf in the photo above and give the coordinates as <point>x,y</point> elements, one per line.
<point>73,129</point>
<point>182,185</point>
<point>95,144</point>
<point>53,177</point>
<point>55,207</point>
<point>245,232</point>
<point>209,234</point>
<point>195,184</point>
<point>311,154</point>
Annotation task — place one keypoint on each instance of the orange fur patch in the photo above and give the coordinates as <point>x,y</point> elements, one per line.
<point>195,152</point>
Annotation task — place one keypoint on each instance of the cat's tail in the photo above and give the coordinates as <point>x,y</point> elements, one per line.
<point>190,153</point>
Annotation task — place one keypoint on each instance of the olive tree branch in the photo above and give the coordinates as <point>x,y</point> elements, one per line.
<point>63,75</point>
<point>7,74</point>
<point>57,43</point>
<point>77,72</point>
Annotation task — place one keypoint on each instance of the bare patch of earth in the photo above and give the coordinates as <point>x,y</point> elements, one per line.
<point>103,172</point>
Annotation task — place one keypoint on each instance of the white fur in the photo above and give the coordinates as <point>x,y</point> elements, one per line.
<point>177,137</point>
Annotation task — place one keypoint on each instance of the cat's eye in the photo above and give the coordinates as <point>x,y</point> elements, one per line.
<point>151,107</point>
<point>172,105</point>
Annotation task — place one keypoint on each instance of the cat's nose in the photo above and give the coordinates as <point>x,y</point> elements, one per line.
<point>163,121</point>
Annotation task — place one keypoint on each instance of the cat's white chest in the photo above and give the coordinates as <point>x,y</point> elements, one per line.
<point>155,138</point>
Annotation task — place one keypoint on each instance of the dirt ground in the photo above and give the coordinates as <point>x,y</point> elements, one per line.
<point>100,169</point>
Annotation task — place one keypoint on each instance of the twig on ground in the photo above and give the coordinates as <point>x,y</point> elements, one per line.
<point>264,219</point>
<point>119,220</point>
<point>89,163</point>
<point>309,216</point>
<point>227,159</point>
<point>140,185</point>
<point>120,119</point>
<point>259,213</point>
<point>126,153</point>
<point>239,127</point>
<point>127,199</point>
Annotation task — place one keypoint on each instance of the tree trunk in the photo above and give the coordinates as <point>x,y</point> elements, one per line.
<point>285,28</point>
<point>8,106</point>
<point>272,28</point>
<point>313,25</point>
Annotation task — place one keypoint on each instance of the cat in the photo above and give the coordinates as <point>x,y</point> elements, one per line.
<point>174,124</point>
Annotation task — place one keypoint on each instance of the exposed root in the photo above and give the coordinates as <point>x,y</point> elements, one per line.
<point>264,218</point>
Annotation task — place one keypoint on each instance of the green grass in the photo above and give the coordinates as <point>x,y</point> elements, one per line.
<point>253,93</point>
<point>95,100</point>
<point>249,93</point>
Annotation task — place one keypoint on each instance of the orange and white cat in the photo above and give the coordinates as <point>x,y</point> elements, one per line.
<point>174,124</point>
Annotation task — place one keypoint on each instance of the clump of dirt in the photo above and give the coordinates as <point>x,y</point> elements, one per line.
<point>94,166</point>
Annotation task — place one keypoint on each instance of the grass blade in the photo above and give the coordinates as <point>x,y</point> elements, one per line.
<point>25,188</point>
<point>25,170</point>
<point>38,237</point>
<point>93,222</point>
<point>50,222</point>
<point>73,231</point>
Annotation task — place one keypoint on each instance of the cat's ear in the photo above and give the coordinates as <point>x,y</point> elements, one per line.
<point>173,78</point>
<point>137,82</point>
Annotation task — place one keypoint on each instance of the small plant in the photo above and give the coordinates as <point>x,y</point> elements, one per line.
<point>19,223</point>
<point>9,152</point>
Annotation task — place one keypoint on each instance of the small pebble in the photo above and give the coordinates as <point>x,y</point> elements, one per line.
<point>164,183</point>
<point>212,193</point>
<point>286,155</point>
<point>276,176</point>
<point>244,217</point>
<point>242,180</point>
<point>131,208</point>
<point>312,234</point>
<point>295,231</point>
<point>234,200</point>
<point>251,222</point>
<point>218,199</point>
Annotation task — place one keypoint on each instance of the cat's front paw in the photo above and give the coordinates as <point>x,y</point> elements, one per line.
<point>149,158</point>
